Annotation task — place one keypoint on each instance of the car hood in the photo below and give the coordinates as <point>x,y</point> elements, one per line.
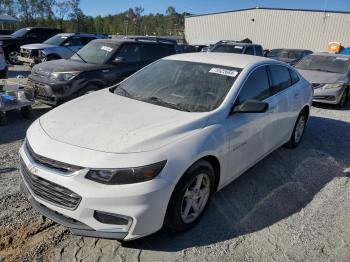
<point>322,77</point>
<point>107,122</point>
<point>63,65</point>
<point>6,38</point>
<point>37,46</point>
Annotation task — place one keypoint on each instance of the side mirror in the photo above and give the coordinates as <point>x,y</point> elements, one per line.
<point>118,60</point>
<point>251,106</point>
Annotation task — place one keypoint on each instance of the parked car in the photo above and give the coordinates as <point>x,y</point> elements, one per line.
<point>6,31</point>
<point>289,56</point>
<point>3,65</point>
<point>329,75</point>
<point>122,162</point>
<point>227,46</point>
<point>60,46</point>
<point>101,63</point>
<point>29,35</point>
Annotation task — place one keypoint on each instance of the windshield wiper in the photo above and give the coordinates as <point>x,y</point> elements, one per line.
<point>160,101</point>
<point>125,93</point>
<point>76,53</point>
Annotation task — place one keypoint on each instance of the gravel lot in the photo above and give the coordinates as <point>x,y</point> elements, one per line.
<point>292,206</point>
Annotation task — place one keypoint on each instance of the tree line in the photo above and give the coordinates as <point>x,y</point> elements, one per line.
<point>67,15</point>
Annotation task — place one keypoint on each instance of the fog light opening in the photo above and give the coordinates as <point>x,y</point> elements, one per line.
<point>112,219</point>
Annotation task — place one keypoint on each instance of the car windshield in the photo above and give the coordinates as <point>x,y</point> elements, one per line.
<point>56,40</point>
<point>236,49</point>
<point>95,52</point>
<point>185,86</point>
<point>291,54</point>
<point>20,32</point>
<point>331,64</point>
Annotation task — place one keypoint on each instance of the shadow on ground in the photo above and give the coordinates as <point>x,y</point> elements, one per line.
<point>277,187</point>
<point>16,126</point>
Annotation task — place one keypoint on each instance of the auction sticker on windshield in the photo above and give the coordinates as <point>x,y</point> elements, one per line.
<point>225,72</point>
<point>106,48</point>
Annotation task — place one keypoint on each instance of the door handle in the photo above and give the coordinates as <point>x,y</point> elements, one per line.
<point>105,71</point>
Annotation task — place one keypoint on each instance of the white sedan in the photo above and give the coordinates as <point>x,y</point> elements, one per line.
<point>123,162</point>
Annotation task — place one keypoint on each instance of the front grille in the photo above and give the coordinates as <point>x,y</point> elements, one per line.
<point>52,164</point>
<point>49,191</point>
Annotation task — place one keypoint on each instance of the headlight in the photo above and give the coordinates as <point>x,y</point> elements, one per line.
<point>330,86</point>
<point>127,175</point>
<point>64,76</point>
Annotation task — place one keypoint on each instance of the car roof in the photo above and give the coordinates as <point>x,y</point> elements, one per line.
<point>236,43</point>
<point>290,49</point>
<point>224,59</point>
<point>117,41</point>
<point>79,34</point>
<point>330,54</point>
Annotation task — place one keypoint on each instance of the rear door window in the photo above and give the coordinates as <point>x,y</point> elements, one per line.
<point>279,78</point>
<point>86,40</point>
<point>259,51</point>
<point>249,50</point>
<point>130,52</point>
<point>256,86</point>
<point>153,52</point>
<point>294,76</point>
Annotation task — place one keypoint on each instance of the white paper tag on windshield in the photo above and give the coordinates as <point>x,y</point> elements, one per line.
<point>342,58</point>
<point>106,48</point>
<point>225,72</point>
<point>238,47</point>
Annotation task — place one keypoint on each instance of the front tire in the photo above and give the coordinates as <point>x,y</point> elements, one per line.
<point>190,197</point>
<point>298,131</point>
<point>12,56</point>
<point>344,99</point>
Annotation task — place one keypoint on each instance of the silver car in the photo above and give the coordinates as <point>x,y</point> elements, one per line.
<point>60,46</point>
<point>329,75</point>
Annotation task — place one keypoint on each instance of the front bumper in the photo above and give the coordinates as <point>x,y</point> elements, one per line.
<point>328,96</point>
<point>43,91</point>
<point>144,203</point>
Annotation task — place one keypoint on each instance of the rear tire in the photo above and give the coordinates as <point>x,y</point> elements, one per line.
<point>179,217</point>
<point>298,131</point>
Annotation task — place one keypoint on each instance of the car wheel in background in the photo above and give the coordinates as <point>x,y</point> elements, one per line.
<point>190,197</point>
<point>3,118</point>
<point>298,131</point>
<point>27,112</point>
<point>344,99</point>
<point>12,56</point>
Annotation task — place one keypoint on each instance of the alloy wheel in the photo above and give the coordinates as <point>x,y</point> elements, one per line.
<point>195,198</point>
<point>13,57</point>
<point>299,130</point>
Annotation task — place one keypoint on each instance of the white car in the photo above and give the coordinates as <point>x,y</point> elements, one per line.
<point>122,162</point>
<point>3,65</point>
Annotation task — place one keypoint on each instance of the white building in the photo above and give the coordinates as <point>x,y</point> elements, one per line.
<point>272,28</point>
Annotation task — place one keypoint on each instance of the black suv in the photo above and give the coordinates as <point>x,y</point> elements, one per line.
<point>29,35</point>
<point>101,63</point>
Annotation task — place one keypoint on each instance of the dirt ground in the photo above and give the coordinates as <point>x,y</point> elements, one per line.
<point>292,206</point>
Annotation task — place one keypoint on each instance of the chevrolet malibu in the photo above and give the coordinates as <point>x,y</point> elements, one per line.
<point>123,162</point>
